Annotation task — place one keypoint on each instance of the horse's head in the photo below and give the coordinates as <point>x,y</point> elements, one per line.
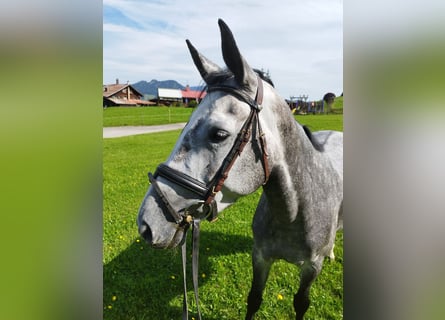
<point>206,170</point>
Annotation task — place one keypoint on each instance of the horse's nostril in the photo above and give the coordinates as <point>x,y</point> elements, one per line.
<point>145,232</point>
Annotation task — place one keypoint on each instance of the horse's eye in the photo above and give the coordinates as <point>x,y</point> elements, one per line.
<point>218,135</point>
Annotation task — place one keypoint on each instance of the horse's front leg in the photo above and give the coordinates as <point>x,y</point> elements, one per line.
<point>261,268</point>
<point>309,272</point>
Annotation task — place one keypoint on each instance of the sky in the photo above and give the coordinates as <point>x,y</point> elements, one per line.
<point>300,42</point>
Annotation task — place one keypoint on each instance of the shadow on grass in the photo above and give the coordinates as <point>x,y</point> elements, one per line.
<point>145,283</point>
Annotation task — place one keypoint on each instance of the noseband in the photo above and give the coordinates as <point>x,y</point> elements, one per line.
<point>207,192</point>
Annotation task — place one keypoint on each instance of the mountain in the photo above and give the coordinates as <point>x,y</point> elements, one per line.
<point>151,88</point>
<point>198,88</point>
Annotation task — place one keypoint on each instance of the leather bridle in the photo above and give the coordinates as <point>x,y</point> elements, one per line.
<point>192,216</point>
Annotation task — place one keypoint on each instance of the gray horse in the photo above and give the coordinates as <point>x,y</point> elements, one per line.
<point>222,155</point>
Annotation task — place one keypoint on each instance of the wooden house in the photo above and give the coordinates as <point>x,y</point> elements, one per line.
<point>122,95</point>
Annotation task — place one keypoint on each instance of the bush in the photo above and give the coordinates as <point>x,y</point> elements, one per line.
<point>192,104</point>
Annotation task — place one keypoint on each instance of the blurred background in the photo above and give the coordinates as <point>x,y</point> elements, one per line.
<point>50,136</point>
<point>394,159</point>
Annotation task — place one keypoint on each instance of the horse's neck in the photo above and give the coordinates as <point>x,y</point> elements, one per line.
<point>291,177</point>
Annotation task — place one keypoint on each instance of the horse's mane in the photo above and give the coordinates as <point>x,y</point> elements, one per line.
<point>316,144</point>
<point>264,77</point>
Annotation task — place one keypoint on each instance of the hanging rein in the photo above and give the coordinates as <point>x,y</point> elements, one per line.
<point>207,192</point>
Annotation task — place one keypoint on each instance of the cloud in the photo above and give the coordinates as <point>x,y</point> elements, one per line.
<point>299,43</point>
<point>115,16</point>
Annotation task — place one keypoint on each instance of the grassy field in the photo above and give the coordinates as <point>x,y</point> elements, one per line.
<point>147,116</point>
<point>143,283</point>
<point>144,116</point>
<point>338,105</point>
<point>321,122</point>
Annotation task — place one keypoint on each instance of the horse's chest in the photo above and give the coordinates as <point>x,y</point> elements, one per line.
<point>284,241</point>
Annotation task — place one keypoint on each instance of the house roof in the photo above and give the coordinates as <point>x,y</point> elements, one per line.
<point>111,89</point>
<point>130,102</point>
<point>192,94</point>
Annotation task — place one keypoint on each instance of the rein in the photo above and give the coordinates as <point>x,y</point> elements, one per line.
<point>206,192</point>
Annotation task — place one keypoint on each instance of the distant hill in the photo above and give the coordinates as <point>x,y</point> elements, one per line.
<point>151,88</point>
<point>197,88</point>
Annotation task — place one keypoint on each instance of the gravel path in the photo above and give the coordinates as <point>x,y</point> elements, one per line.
<point>116,132</point>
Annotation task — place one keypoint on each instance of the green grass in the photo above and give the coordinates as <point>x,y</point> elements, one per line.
<point>144,283</point>
<point>337,107</point>
<point>144,116</point>
<point>147,116</point>
<point>321,122</point>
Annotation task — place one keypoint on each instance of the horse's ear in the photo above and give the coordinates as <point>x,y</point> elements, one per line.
<point>204,65</point>
<point>236,63</point>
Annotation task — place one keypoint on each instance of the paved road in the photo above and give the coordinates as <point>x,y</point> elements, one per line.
<point>116,132</point>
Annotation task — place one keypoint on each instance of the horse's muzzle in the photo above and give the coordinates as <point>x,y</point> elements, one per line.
<point>145,232</point>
